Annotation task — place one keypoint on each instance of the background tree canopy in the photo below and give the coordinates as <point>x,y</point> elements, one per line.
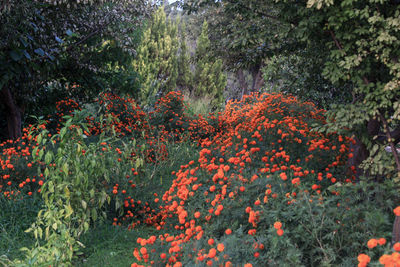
<point>48,46</point>
<point>288,107</point>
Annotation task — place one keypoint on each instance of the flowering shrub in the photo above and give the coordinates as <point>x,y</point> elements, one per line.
<point>264,188</point>
<point>128,118</point>
<point>169,115</point>
<point>267,190</point>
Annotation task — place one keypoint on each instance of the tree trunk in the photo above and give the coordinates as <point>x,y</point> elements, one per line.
<point>396,230</point>
<point>360,153</point>
<point>258,81</point>
<point>13,114</point>
<point>242,82</point>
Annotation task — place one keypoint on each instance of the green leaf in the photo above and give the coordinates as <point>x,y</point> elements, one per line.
<point>84,204</point>
<point>39,51</point>
<point>48,158</point>
<point>50,56</point>
<point>26,54</point>
<point>50,185</point>
<point>67,192</point>
<point>65,168</point>
<point>94,214</point>
<point>69,32</point>
<point>85,226</point>
<point>59,40</point>
<point>69,211</point>
<point>23,42</point>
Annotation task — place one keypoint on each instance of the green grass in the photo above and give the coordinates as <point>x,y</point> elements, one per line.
<point>108,245</point>
<point>15,217</point>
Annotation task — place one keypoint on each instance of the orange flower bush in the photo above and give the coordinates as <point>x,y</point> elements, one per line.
<point>263,148</point>
<point>263,188</point>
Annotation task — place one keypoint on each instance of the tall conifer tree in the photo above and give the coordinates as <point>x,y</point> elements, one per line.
<point>184,71</point>
<point>156,61</point>
<point>209,78</point>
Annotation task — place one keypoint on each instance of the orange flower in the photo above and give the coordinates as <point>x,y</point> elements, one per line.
<point>283,176</point>
<point>212,252</point>
<point>220,247</point>
<point>396,246</point>
<point>382,241</point>
<point>372,243</point>
<point>397,211</point>
<point>279,232</point>
<point>143,250</point>
<point>363,258</point>
<point>277,225</point>
<point>228,231</point>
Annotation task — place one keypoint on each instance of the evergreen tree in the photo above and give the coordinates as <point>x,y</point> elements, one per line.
<point>209,78</point>
<point>156,61</point>
<point>184,72</point>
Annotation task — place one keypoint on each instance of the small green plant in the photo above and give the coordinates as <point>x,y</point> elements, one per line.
<point>77,188</point>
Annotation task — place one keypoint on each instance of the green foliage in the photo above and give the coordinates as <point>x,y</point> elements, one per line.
<point>106,245</point>
<point>46,45</point>
<point>300,73</point>
<point>156,62</point>
<point>184,72</point>
<point>209,78</point>
<point>16,215</point>
<point>75,193</point>
<point>366,57</point>
<point>170,114</point>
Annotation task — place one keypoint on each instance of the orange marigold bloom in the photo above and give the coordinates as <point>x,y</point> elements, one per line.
<point>372,243</point>
<point>382,241</point>
<point>220,247</point>
<point>385,259</point>
<point>228,231</point>
<point>363,258</point>
<point>277,225</point>
<point>212,252</point>
<point>396,246</point>
<point>397,211</point>
<point>143,250</point>
<point>283,176</point>
<point>279,232</point>
<point>248,265</point>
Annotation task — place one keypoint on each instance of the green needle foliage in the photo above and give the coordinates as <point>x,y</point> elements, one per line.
<point>209,78</point>
<point>157,62</point>
<point>185,74</point>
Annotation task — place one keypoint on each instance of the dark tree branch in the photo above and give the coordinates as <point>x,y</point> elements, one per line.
<point>390,141</point>
<point>336,40</point>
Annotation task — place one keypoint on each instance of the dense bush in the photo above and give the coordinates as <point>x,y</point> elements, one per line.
<point>261,188</point>
<point>268,190</point>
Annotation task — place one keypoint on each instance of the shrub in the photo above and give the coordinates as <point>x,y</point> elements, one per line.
<point>267,190</point>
